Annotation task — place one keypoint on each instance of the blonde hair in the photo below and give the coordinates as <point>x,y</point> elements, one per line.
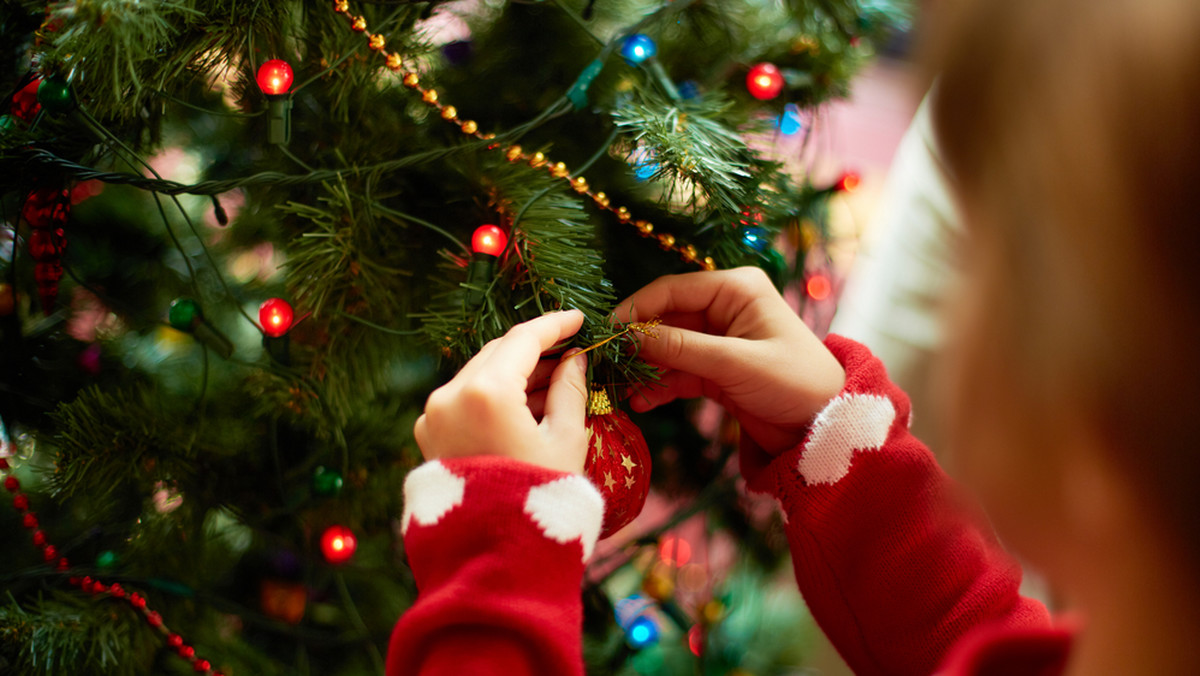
<point>1071,130</point>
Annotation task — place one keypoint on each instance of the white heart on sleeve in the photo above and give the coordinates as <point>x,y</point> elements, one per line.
<point>567,509</point>
<point>430,491</point>
<point>850,423</point>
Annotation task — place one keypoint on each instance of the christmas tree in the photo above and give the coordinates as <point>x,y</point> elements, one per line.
<point>243,240</point>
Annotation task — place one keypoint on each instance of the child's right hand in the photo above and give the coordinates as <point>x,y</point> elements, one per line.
<point>730,336</point>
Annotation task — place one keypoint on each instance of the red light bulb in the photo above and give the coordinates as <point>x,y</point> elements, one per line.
<point>338,544</point>
<point>849,182</point>
<point>276,316</point>
<point>764,81</point>
<point>818,287</point>
<point>489,239</point>
<point>274,77</point>
<point>674,551</point>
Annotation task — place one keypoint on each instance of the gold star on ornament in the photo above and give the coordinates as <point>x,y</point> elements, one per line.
<point>597,445</point>
<point>628,463</point>
<point>628,482</point>
<point>608,481</point>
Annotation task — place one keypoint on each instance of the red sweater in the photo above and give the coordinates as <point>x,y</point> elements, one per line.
<point>899,575</point>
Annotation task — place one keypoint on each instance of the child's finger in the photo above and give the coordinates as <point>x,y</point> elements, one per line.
<point>695,352</point>
<point>693,292</point>
<point>518,352</point>
<point>693,321</point>
<point>566,400</point>
<point>670,386</point>
<point>474,364</point>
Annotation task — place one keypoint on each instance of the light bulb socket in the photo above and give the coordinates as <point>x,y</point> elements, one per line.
<point>279,119</point>
<point>479,274</point>
<point>209,336</point>
<point>279,348</point>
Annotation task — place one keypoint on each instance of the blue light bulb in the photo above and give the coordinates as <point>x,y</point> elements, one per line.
<point>644,166</point>
<point>637,48</point>
<point>635,615</point>
<point>756,238</point>
<point>643,632</point>
<point>790,123</point>
<point>645,171</point>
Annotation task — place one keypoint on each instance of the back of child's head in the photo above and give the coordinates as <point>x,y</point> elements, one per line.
<point>1071,132</point>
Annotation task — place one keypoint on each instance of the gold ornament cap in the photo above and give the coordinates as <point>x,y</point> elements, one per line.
<point>598,403</point>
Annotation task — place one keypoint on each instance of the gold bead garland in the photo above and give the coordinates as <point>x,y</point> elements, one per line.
<point>514,153</point>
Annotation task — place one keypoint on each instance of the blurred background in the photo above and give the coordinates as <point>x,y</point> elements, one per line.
<point>210,400</point>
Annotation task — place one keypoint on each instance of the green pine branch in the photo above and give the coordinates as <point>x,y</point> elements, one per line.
<point>57,633</point>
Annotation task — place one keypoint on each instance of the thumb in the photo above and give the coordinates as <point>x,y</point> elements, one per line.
<point>566,401</point>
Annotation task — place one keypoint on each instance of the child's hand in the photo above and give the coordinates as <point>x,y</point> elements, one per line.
<point>493,406</point>
<point>729,336</point>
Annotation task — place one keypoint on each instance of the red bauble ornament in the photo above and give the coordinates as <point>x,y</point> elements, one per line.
<point>618,462</point>
<point>276,316</point>
<point>764,81</point>
<point>274,77</point>
<point>489,239</point>
<point>338,544</point>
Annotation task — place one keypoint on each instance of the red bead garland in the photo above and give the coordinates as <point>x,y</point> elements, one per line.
<point>94,587</point>
<point>45,210</point>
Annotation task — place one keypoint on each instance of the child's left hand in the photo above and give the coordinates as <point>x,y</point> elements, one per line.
<point>493,405</point>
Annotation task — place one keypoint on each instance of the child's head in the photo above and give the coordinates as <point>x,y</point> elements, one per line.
<point>1071,130</point>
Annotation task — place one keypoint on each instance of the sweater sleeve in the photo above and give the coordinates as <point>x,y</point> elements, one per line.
<point>497,548</point>
<point>892,562</point>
